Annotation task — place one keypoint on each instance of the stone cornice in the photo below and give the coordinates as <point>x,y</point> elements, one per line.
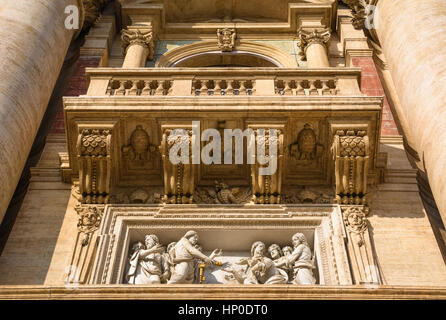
<point>257,292</point>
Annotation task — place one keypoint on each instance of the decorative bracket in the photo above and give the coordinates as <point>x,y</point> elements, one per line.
<point>351,152</point>
<point>363,262</point>
<point>94,156</point>
<point>179,179</point>
<point>267,188</point>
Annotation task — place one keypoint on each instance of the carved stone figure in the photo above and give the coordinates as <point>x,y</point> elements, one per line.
<point>301,260</point>
<point>139,147</point>
<point>306,146</point>
<point>280,261</point>
<point>226,39</point>
<point>184,255</point>
<point>259,269</point>
<point>222,194</point>
<point>148,264</point>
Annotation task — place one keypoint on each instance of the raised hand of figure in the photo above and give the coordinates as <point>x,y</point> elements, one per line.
<point>216,253</point>
<point>209,260</point>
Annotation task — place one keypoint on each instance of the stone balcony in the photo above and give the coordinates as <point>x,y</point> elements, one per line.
<point>223,82</point>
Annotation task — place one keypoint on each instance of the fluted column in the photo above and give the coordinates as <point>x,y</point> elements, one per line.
<point>314,45</point>
<point>32,50</point>
<point>138,46</point>
<point>412,35</point>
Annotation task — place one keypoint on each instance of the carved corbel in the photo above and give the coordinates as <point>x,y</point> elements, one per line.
<point>267,187</point>
<point>362,259</point>
<point>138,36</point>
<point>179,178</point>
<point>82,259</point>
<point>94,157</point>
<point>351,152</point>
<point>226,39</point>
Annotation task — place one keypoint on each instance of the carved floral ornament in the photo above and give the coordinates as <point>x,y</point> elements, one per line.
<point>226,39</point>
<point>142,37</point>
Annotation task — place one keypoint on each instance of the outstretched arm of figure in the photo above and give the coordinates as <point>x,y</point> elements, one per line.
<point>215,253</point>
<point>197,254</point>
<point>145,253</point>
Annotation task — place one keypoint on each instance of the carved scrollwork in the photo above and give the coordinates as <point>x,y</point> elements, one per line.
<point>351,151</point>
<point>226,39</point>
<point>94,157</point>
<point>92,10</point>
<point>359,11</point>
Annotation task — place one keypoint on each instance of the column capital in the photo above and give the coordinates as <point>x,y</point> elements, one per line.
<point>138,36</point>
<point>359,11</point>
<point>309,37</point>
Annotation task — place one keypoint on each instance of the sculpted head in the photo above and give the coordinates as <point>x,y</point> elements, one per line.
<point>192,236</point>
<point>299,238</point>
<point>287,250</point>
<point>151,240</point>
<point>258,248</point>
<point>274,251</point>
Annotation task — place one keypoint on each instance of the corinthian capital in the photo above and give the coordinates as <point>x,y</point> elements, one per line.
<point>359,11</point>
<point>143,37</point>
<point>92,11</point>
<point>308,37</point>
